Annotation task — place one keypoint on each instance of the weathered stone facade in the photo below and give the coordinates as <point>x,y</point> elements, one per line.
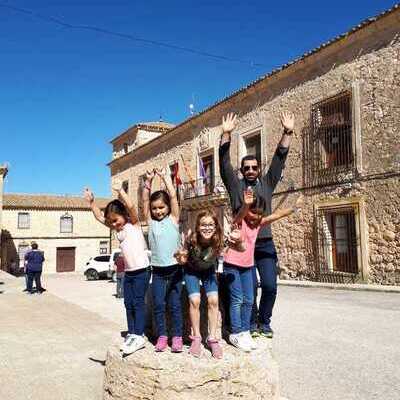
<point>365,64</point>
<point>44,227</point>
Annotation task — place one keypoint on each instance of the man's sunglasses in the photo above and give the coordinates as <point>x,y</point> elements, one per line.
<point>247,168</point>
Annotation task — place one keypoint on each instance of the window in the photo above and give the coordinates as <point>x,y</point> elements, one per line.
<point>102,258</point>
<point>22,250</point>
<point>66,223</point>
<point>331,131</point>
<point>23,220</point>
<point>125,186</point>
<point>253,146</point>
<point>125,148</point>
<point>207,173</point>
<point>337,240</point>
<point>104,247</point>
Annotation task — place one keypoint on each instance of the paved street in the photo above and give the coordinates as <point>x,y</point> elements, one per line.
<point>331,344</point>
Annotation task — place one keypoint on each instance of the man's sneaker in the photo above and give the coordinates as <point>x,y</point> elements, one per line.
<point>237,340</point>
<point>215,347</point>
<point>255,334</point>
<point>177,344</point>
<point>195,347</point>
<point>135,344</point>
<point>267,333</point>
<point>162,344</point>
<point>250,340</point>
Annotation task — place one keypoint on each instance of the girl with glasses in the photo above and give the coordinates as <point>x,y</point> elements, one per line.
<point>200,256</point>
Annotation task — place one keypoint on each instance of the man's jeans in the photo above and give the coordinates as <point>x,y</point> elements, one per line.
<point>266,264</point>
<point>135,288</point>
<point>34,275</point>
<point>240,286</point>
<point>167,290</point>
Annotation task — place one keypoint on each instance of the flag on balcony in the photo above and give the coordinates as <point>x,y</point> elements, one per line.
<point>202,171</point>
<point>175,174</point>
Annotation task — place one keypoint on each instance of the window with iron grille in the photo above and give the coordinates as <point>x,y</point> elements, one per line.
<point>66,223</point>
<point>103,246</point>
<point>337,241</point>
<point>331,136</point>
<point>23,220</point>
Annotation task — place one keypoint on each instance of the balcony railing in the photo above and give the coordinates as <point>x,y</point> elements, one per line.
<point>203,187</point>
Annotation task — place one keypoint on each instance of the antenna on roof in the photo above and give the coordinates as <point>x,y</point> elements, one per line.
<point>191,106</point>
<point>160,119</point>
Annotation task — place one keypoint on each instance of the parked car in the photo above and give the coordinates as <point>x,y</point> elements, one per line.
<point>102,266</point>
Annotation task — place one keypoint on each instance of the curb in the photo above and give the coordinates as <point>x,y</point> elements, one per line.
<point>341,286</point>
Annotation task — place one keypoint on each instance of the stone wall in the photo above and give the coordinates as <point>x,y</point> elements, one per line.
<point>366,64</point>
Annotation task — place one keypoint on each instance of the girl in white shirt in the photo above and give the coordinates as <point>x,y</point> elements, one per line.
<point>120,215</point>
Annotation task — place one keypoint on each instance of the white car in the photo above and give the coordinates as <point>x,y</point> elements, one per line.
<point>101,266</point>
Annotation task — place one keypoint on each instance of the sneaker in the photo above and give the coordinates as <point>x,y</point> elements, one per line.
<point>267,333</point>
<point>215,347</point>
<point>177,344</point>
<point>162,343</point>
<point>134,344</point>
<point>195,347</point>
<point>237,340</point>
<point>255,334</point>
<point>247,336</point>
<point>128,338</point>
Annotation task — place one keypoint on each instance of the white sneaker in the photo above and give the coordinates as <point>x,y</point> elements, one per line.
<point>134,343</point>
<point>128,338</point>
<point>247,337</point>
<point>237,340</point>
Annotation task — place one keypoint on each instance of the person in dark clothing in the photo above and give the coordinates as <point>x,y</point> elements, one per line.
<point>263,186</point>
<point>34,264</point>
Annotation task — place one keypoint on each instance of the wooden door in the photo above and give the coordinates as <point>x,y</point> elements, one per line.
<point>65,259</point>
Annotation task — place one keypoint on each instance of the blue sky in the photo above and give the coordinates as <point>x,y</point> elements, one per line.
<point>64,94</point>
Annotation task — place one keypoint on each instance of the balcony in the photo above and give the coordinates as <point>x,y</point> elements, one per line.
<point>202,187</point>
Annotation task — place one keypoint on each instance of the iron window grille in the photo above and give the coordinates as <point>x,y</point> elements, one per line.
<point>24,220</point>
<point>332,154</point>
<point>66,224</point>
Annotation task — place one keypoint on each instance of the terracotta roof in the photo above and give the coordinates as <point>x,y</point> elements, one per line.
<point>45,201</point>
<point>159,126</point>
<point>275,71</point>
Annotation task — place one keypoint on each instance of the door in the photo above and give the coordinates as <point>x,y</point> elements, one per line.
<point>65,259</point>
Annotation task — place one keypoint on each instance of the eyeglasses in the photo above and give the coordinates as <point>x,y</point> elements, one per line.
<point>247,168</point>
<point>207,226</point>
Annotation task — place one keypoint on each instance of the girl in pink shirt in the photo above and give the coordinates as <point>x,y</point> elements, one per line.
<point>238,264</point>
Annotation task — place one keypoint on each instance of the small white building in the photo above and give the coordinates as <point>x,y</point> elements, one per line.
<point>63,227</point>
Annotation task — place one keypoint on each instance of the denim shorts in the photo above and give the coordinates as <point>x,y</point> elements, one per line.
<point>208,280</point>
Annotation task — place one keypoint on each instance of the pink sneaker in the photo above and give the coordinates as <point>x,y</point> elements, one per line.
<point>162,343</point>
<point>215,347</point>
<point>195,347</point>
<point>177,344</point>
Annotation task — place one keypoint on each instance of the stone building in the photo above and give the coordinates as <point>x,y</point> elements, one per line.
<point>344,157</point>
<point>63,227</point>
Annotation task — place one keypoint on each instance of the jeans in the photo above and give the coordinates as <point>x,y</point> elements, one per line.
<point>241,298</point>
<point>120,285</point>
<point>266,263</point>
<point>208,278</point>
<point>167,290</point>
<point>31,276</point>
<point>135,288</point>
